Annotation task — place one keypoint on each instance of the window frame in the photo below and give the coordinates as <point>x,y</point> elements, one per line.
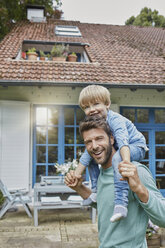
<point>151,127</point>
<point>61,137</point>
<point>64,30</point>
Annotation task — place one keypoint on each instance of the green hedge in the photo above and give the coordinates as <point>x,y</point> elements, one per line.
<point>1,198</point>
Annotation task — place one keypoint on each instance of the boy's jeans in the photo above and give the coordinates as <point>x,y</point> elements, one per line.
<point>94,172</point>
<point>121,187</point>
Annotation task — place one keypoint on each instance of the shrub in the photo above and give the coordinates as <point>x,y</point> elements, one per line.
<point>1,198</point>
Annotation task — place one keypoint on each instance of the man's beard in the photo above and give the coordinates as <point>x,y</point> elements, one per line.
<point>107,155</point>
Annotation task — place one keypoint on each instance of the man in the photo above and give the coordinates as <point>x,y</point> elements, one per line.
<point>145,200</point>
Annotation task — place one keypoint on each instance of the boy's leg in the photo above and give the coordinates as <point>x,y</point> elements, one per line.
<point>121,191</point>
<point>122,187</point>
<point>136,153</point>
<point>94,172</point>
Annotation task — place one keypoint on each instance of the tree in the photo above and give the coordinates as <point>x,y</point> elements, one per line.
<point>130,21</point>
<point>4,22</point>
<point>147,17</point>
<point>12,11</point>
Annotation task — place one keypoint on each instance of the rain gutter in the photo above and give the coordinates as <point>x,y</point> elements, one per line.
<point>132,86</point>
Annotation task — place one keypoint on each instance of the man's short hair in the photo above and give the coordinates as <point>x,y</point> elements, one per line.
<point>94,121</point>
<point>93,94</point>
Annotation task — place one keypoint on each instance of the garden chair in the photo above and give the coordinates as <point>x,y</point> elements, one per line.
<point>13,199</point>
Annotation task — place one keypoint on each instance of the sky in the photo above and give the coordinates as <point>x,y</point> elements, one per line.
<point>114,12</point>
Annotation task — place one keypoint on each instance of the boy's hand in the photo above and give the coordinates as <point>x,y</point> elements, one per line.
<point>73,176</point>
<point>77,185</point>
<point>72,180</point>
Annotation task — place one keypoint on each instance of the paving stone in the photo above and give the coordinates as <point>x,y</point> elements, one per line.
<point>33,242</point>
<point>57,229</point>
<point>78,244</point>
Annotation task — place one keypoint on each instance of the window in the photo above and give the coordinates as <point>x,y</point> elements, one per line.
<point>151,123</point>
<point>46,47</point>
<point>56,138</point>
<point>67,31</point>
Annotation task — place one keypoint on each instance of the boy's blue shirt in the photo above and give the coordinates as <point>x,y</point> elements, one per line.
<point>124,132</point>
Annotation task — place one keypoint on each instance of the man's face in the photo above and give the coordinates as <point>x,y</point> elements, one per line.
<point>98,145</point>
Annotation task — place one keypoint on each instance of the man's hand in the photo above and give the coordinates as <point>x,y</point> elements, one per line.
<point>129,173</point>
<point>72,180</point>
<point>75,182</point>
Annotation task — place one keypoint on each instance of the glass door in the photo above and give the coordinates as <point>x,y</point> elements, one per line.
<point>160,159</point>
<point>56,138</point>
<point>151,122</point>
<point>46,133</point>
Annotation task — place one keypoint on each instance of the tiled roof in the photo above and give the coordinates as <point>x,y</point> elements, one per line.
<point>118,54</point>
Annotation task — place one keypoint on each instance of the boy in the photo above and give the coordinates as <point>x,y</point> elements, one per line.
<point>131,144</point>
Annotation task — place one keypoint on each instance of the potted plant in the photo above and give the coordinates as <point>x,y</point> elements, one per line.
<point>24,55</point>
<point>32,55</point>
<point>42,55</point>
<point>152,236</point>
<point>59,52</point>
<point>72,57</point>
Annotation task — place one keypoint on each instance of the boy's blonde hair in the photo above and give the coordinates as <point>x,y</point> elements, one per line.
<point>93,94</point>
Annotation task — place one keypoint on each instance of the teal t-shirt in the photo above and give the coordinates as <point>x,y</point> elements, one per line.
<point>129,232</point>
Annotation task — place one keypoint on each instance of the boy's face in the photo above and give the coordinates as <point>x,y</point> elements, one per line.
<point>97,108</point>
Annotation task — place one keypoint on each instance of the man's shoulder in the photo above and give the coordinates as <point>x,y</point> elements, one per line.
<point>141,167</point>
<point>143,172</point>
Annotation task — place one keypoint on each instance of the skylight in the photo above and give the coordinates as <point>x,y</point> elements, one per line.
<point>67,31</point>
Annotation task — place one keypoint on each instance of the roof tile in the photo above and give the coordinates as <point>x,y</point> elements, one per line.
<point>118,54</point>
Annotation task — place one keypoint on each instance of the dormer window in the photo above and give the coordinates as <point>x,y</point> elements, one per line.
<point>72,31</point>
<point>45,47</point>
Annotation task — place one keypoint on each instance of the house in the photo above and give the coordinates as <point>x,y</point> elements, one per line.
<point>39,112</point>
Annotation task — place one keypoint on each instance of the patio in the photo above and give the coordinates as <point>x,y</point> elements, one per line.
<point>63,228</point>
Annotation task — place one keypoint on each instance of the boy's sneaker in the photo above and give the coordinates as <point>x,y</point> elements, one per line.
<point>119,213</point>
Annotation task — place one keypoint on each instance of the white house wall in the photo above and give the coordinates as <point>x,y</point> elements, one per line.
<point>69,95</point>
<point>15,155</point>
<point>14,149</point>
